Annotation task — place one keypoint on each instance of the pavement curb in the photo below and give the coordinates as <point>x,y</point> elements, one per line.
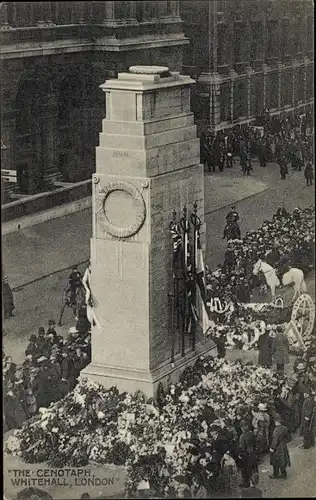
<point>235,202</point>
<point>20,287</point>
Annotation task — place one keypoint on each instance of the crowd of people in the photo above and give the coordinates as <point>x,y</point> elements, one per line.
<point>287,240</point>
<point>267,429</point>
<point>283,139</point>
<point>50,370</point>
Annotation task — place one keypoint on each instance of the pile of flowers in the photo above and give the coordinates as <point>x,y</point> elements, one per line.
<point>242,324</point>
<point>168,445</point>
<point>293,234</point>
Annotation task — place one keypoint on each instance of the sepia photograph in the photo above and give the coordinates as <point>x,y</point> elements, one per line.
<point>158,249</point>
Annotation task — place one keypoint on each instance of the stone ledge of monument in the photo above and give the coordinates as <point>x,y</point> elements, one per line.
<point>143,85</point>
<point>138,142</point>
<point>146,127</point>
<point>41,202</point>
<point>173,156</point>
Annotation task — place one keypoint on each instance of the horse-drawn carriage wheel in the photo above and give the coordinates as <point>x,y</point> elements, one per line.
<point>303,315</point>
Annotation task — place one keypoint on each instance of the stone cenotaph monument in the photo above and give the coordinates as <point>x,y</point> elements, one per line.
<point>147,165</point>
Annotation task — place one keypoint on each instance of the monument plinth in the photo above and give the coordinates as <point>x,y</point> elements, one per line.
<point>147,165</point>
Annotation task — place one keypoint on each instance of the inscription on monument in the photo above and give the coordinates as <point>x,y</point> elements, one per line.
<point>120,153</point>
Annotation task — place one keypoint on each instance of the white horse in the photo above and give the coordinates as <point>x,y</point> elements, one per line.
<point>270,275</point>
<point>295,277</point>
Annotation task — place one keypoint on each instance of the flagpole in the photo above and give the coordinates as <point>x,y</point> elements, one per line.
<point>184,226</point>
<point>194,257</point>
<point>173,296</point>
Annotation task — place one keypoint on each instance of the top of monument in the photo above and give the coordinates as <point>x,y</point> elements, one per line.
<point>149,70</point>
<point>147,78</point>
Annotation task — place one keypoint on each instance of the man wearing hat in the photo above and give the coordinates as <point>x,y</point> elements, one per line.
<point>73,334</point>
<point>32,348</point>
<point>42,384</point>
<point>246,452</point>
<point>279,453</point>
<point>307,420</point>
<point>74,282</point>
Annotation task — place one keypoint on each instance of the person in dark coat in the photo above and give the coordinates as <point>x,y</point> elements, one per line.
<point>43,343</point>
<point>279,453</point>
<point>9,406</point>
<point>307,420</point>
<point>283,168</point>
<point>51,331</point>
<point>262,154</point>
<point>243,292</point>
<point>247,454</point>
<point>7,298</point>
<point>20,409</point>
<point>272,257</point>
<point>309,174</point>
<point>281,211</point>
<point>32,348</point>
<point>54,376</point>
<point>280,351</point>
<point>265,343</point>
<point>42,385</point>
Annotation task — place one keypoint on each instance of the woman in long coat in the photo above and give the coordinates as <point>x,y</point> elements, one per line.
<point>279,453</point>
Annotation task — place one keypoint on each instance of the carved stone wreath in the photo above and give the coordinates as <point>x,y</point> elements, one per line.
<point>127,187</point>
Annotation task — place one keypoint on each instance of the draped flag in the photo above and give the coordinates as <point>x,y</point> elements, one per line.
<point>201,310</point>
<point>177,244</point>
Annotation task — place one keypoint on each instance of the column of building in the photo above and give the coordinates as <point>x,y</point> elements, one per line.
<point>249,69</point>
<point>213,76</point>
<point>4,23</point>
<point>49,132</point>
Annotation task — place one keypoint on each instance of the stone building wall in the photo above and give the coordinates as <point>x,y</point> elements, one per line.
<point>248,55</point>
<point>54,57</point>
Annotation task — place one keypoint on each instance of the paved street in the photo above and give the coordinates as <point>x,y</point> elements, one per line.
<point>255,210</point>
<point>45,251</point>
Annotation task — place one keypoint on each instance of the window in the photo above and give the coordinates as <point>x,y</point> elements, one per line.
<point>225,101</point>
<point>272,89</point>
<point>299,85</point>
<point>284,41</point>
<point>310,34</point>
<point>286,87</point>
<point>298,36</point>
<point>256,94</point>
<point>239,43</point>
<point>272,39</point>
<point>256,42</point>
<point>221,44</point>
<point>309,81</point>
<point>240,98</point>
<point>27,105</point>
<point>121,10</point>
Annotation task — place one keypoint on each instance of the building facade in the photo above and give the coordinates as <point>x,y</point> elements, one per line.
<point>247,56</point>
<point>54,57</point>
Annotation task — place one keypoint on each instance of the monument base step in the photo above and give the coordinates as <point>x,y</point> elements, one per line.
<point>146,381</point>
